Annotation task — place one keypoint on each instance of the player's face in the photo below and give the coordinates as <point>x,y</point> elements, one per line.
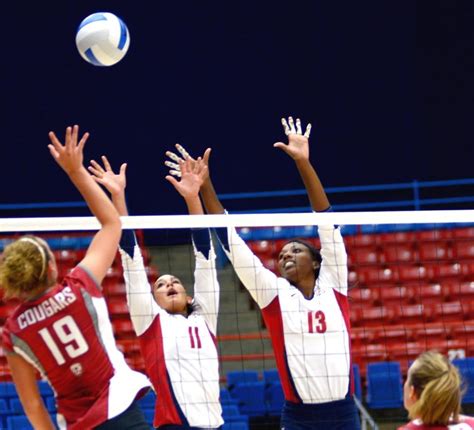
<point>295,262</point>
<point>170,294</point>
<point>408,391</point>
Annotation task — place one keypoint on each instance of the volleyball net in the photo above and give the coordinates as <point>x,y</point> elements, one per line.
<point>410,278</point>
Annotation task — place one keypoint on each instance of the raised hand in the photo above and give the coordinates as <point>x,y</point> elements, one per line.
<point>298,143</point>
<point>115,183</point>
<point>174,165</point>
<point>70,155</point>
<point>193,173</point>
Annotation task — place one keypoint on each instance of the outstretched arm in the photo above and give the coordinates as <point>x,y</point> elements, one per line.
<point>102,250</point>
<point>141,304</point>
<point>24,377</point>
<point>298,149</point>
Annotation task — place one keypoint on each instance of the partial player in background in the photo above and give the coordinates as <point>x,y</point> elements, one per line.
<point>63,329</point>
<point>432,395</point>
<point>177,334</point>
<point>306,309</point>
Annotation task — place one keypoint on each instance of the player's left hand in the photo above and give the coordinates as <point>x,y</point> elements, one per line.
<point>298,143</point>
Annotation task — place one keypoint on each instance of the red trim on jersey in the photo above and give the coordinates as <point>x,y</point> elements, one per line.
<point>191,337</point>
<point>344,306</point>
<point>196,330</point>
<point>151,343</point>
<point>272,316</point>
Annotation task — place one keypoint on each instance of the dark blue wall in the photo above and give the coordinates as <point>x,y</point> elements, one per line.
<point>386,84</point>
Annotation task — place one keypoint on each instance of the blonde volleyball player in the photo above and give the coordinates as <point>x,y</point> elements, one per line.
<point>62,329</point>
<point>432,395</point>
<point>177,334</point>
<point>306,309</point>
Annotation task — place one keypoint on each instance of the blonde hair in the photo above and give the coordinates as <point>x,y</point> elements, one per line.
<point>23,268</point>
<point>437,385</point>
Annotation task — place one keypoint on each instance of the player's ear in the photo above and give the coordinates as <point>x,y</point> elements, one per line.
<point>189,300</point>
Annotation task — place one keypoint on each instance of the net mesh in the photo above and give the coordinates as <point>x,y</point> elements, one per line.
<point>410,289</point>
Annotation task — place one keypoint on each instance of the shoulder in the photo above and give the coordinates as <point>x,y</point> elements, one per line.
<point>79,277</point>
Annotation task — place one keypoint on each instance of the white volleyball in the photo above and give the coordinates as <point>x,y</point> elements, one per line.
<point>102,39</point>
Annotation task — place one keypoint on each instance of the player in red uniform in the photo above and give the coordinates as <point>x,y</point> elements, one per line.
<point>177,333</point>
<point>432,395</point>
<point>306,309</point>
<point>63,329</point>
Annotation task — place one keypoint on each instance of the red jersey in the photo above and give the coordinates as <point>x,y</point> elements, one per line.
<point>66,334</point>
<point>465,423</point>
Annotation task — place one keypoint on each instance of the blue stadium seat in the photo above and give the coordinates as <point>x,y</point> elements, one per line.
<point>50,402</point>
<point>45,389</point>
<point>7,389</point>
<point>384,385</point>
<point>4,409</point>
<point>270,376</point>
<point>240,376</point>
<point>226,398</point>
<point>19,422</point>
<point>231,413</point>
<point>275,398</point>
<point>15,406</point>
<point>235,425</point>
<point>466,369</point>
<point>251,397</point>
<point>357,381</point>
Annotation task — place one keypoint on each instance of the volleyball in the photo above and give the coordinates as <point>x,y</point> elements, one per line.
<point>102,39</point>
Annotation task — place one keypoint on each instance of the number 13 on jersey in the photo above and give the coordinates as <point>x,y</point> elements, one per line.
<point>316,322</point>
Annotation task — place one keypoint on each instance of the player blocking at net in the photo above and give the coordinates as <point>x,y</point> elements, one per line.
<point>63,329</point>
<point>177,334</point>
<point>306,309</point>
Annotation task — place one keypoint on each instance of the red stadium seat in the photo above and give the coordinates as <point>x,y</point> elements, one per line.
<point>361,296</point>
<point>464,249</point>
<point>434,251</point>
<point>446,270</point>
<point>363,256</point>
<point>117,306</point>
<point>463,233</point>
<point>412,272</point>
<point>361,240</point>
<point>390,295</point>
<point>405,237</point>
<point>393,335</point>
<point>412,314</point>
<point>399,252</point>
<point>115,289</point>
<point>376,316</point>
<point>467,270</point>
<point>375,275</point>
<point>432,331</point>
<point>463,290</point>
<point>451,311</point>
<point>262,248</point>
<point>434,235</point>
<point>424,293</point>
<point>405,352</point>
<point>123,329</point>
